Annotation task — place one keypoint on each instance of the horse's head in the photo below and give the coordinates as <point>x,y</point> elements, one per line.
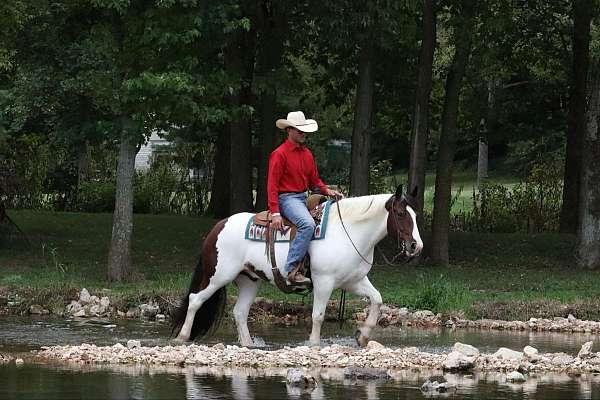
<point>402,222</point>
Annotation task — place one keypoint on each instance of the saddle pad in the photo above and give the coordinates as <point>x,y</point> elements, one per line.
<point>257,233</point>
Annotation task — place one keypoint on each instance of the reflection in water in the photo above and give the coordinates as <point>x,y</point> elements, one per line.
<point>57,381</point>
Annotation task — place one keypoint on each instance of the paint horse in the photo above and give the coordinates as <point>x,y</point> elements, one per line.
<point>342,259</point>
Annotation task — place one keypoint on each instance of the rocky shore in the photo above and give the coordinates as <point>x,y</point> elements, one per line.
<point>268,311</point>
<point>463,357</point>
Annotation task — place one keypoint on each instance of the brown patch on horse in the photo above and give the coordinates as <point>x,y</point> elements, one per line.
<point>209,253</point>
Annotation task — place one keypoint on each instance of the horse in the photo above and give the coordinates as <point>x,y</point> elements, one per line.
<point>342,259</point>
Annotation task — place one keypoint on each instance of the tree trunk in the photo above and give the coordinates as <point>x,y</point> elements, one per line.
<point>487,130</point>
<point>420,128</point>
<point>588,232</point>
<point>239,62</point>
<point>119,256</point>
<point>361,134</point>
<point>482,162</point>
<point>219,193</point>
<point>269,62</point>
<point>582,12</point>
<point>443,179</point>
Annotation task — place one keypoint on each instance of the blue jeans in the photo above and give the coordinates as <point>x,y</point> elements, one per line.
<point>293,207</point>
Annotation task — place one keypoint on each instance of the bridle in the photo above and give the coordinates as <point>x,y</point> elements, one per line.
<point>395,218</point>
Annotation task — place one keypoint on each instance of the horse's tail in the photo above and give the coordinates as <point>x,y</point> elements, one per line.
<point>209,315</point>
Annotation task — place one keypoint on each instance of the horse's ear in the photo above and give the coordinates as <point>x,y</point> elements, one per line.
<point>399,191</point>
<point>415,191</point>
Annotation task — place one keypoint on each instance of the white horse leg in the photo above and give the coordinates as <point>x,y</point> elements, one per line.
<point>247,290</point>
<point>195,302</point>
<point>321,294</point>
<point>365,288</point>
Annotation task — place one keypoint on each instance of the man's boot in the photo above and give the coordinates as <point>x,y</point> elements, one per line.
<point>295,278</point>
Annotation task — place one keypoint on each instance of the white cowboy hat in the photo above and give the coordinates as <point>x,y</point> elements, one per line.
<point>297,120</point>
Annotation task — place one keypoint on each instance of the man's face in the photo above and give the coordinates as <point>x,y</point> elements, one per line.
<point>296,135</point>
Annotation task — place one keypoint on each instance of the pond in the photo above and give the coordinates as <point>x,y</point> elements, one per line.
<point>63,381</point>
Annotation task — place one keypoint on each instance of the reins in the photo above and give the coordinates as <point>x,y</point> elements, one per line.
<point>347,234</point>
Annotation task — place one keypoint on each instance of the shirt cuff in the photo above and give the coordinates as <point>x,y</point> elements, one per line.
<point>275,214</point>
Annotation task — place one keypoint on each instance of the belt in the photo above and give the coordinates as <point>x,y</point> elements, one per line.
<point>304,191</point>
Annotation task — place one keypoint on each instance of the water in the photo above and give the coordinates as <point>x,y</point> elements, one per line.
<point>67,381</point>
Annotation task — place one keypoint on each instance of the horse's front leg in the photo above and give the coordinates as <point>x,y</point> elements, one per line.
<point>321,293</point>
<point>365,288</point>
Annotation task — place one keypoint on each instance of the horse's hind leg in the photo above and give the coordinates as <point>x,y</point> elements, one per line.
<point>195,302</point>
<point>365,288</point>
<point>247,290</point>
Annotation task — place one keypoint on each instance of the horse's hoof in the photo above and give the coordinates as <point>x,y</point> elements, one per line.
<point>360,339</point>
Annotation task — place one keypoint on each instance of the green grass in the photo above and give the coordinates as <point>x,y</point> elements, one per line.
<point>69,251</point>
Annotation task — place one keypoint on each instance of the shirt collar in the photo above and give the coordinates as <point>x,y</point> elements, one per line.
<point>293,146</point>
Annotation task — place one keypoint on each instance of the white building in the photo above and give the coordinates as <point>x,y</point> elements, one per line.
<point>144,157</point>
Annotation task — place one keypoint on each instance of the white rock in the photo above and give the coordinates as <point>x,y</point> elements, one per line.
<point>80,313</point>
<point>586,350</point>
<point>374,345</point>
<point>508,354</point>
<point>457,361</point>
<point>531,353</point>
<point>105,302</point>
<point>466,349</point>
<point>84,296</point>
<point>515,376</point>
<point>132,344</point>
<point>19,361</point>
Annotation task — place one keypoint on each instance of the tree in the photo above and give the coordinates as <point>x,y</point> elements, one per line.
<point>443,180</point>
<point>582,11</point>
<point>420,124</point>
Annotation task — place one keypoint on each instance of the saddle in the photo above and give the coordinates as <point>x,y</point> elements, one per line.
<point>264,218</point>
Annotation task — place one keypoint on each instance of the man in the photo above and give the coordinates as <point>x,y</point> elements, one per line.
<point>292,172</point>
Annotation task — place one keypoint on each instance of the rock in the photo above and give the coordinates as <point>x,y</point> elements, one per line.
<point>96,310</point>
<point>149,310</point>
<point>19,361</point>
<point>586,350</point>
<point>515,376</point>
<point>132,313</point>
<point>160,317</point>
<point>562,359</point>
<point>105,302</point>
<point>84,296</point>
<point>299,378</point>
<point>80,313</point>
<point>423,314</point>
<point>365,373</point>
<point>437,385</point>
<point>571,318</point>
<point>37,310</point>
<point>508,354</point>
<point>457,361</point>
<point>466,349</point>
<point>132,344</point>
<point>94,300</point>
<point>530,352</point>
<point>373,346</point>
<point>5,358</point>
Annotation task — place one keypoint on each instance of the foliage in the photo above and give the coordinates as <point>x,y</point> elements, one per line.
<point>378,174</point>
<point>438,294</point>
<point>96,196</point>
<point>530,206</point>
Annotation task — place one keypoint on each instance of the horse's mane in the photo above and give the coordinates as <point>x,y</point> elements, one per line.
<point>360,208</point>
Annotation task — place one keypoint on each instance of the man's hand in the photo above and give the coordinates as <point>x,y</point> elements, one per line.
<point>334,193</point>
<point>277,222</point>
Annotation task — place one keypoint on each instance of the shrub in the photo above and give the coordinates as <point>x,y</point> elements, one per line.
<point>96,196</point>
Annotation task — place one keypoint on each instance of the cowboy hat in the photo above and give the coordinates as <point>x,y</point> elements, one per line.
<point>297,120</point>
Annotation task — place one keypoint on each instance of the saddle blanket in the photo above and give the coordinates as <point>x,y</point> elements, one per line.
<point>257,233</point>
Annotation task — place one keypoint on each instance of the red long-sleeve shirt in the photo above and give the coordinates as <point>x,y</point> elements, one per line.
<point>292,168</point>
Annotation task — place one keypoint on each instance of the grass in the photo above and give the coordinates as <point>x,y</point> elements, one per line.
<point>489,272</point>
